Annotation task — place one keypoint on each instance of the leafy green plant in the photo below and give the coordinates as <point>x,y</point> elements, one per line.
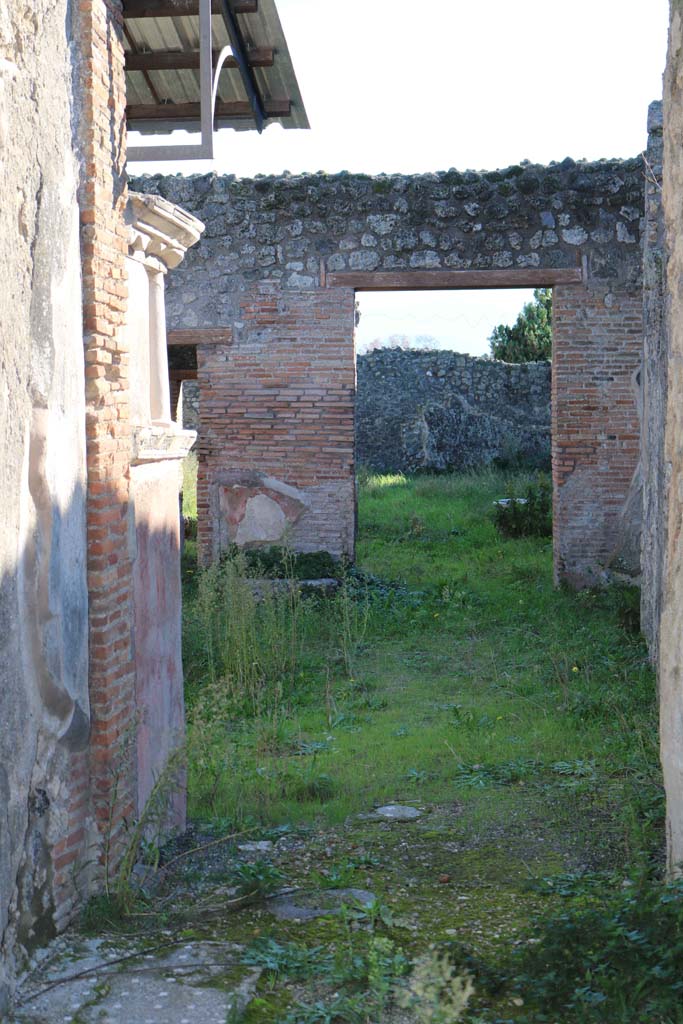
<point>386,964</point>
<point>289,958</point>
<point>618,961</point>
<point>530,515</point>
<point>256,878</point>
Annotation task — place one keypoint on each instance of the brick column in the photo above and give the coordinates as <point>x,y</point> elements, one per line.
<point>597,350</point>
<point>276,435</point>
<point>102,200</point>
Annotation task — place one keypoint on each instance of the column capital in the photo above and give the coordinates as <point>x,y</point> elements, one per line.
<point>159,233</point>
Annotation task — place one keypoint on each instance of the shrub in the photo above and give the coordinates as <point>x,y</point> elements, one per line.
<point>530,515</point>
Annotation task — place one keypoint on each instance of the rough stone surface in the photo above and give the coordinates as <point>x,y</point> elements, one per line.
<point>671,627</point>
<point>44,705</point>
<point>308,906</point>
<point>523,216</point>
<point>442,410</point>
<point>398,812</point>
<point>173,986</point>
<point>655,375</point>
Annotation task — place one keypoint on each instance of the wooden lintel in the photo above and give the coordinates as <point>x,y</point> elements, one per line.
<point>182,375</point>
<point>180,60</point>
<point>200,336</point>
<point>192,112</point>
<point>180,8</point>
<point>444,280</point>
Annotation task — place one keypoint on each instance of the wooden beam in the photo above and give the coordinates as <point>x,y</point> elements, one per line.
<point>200,336</point>
<point>180,60</point>
<point>191,111</point>
<point>182,375</point>
<point>443,280</point>
<point>180,8</point>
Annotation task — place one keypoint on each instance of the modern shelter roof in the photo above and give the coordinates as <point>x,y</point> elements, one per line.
<point>256,84</point>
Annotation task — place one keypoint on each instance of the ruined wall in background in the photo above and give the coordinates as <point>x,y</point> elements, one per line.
<point>44,706</point>
<point>655,376</point>
<point>443,410</point>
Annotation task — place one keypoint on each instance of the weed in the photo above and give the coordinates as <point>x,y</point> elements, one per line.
<point>529,515</point>
<point>257,878</point>
<point>618,960</point>
<point>435,992</point>
<point>289,958</point>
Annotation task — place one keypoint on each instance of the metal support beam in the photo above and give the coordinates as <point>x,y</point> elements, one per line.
<point>203,151</point>
<point>240,54</point>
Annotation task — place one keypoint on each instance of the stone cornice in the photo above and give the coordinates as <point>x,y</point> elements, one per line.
<point>157,444</point>
<point>160,232</point>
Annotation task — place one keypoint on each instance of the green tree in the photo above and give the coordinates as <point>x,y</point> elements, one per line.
<point>530,337</point>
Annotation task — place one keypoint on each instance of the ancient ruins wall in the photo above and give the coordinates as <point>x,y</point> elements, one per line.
<point>671,483</point>
<point>276,425</point>
<point>655,375</point>
<point>443,410</point>
<point>44,707</point>
<point>296,231</point>
<point>597,343</point>
<point>104,245</point>
<point>75,761</point>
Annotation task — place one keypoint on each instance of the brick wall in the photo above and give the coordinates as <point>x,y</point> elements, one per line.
<point>102,197</point>
<point>597,346</point>
<point>278,401</point>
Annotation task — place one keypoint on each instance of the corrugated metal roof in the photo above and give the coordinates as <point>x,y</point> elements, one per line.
<point>158,98</point>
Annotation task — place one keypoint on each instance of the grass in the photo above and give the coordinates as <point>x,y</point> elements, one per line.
<point>450,674</point>
<point>470,657</point>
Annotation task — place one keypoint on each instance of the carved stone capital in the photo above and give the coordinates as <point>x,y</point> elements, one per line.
<point>159,233</point>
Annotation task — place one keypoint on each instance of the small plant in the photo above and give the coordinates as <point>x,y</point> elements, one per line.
<point>386,964</point>
<point>618,960</point>
<point>530,515</point>
<point>319,787</point>
<point>373,913</point>
<point>435,992</point>
<point>288,958</point>
<point>258,878</point>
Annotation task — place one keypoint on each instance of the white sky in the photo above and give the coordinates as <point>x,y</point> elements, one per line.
<point>424,85</point>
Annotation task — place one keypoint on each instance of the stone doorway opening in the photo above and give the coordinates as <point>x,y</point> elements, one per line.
<point>429,395</point>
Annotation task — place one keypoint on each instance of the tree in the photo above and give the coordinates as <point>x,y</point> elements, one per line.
<point>530,337</point>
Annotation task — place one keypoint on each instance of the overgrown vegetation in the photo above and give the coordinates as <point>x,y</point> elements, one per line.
<point>446,672</point>
<point>529,339</point>
<point>529,514</point>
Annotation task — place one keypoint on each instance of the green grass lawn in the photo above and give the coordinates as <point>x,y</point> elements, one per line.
<point>448,673</point>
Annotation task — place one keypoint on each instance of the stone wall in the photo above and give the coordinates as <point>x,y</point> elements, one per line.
<point>280,228</point>
<point>443,410</point>
<point>300,234</point>
<point>44,705</point>
<point>84,555</point>
<point>655,376</point>
<point>671,482</point>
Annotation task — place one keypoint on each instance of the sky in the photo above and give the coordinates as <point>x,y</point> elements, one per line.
<point>424,85</point>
